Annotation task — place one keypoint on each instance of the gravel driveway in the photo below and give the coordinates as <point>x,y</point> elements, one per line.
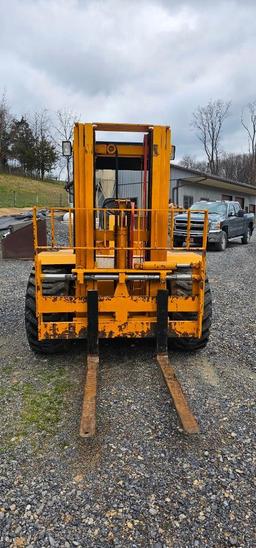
<point>141,481</point>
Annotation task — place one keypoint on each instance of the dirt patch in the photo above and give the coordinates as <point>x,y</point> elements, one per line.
<point>13,210</point>
<point>207,371</point>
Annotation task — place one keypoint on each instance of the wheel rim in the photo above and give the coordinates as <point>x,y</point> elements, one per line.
<point>248,235</point>
<point>223,242</point>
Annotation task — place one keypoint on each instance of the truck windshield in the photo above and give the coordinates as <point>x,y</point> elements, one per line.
<point>213,207</point>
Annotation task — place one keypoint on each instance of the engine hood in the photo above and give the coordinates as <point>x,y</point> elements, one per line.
<point>199,216</point>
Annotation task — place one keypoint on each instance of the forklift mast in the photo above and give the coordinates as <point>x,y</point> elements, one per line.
<point>152,158</point>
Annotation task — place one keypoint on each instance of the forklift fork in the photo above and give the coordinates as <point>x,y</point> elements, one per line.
<point>88,418</point>
<point>187,419</point>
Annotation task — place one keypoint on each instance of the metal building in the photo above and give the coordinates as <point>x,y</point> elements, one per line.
<point>189,186</point>
<point>186,187</point>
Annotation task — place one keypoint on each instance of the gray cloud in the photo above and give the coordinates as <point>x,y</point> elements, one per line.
<point>137,61</point>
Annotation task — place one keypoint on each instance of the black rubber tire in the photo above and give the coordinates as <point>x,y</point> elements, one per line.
<point>221,246</point>
<point>190,344</point>
<point>45,346</point>
<point>247,236</point>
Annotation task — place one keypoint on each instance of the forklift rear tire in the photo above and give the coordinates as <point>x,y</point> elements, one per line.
<point>190,344</point>
<point>50,346</point>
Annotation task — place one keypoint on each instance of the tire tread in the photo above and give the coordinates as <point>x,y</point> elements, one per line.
<point>31,324</point>
<point>190,344</point>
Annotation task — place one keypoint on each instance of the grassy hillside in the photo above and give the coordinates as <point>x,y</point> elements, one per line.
<point>18,191</point>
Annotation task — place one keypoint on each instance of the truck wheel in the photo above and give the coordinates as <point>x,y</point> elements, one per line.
<point>49,288</point>
<point>247,236</point>
<point>222,244</point>
<point>190,344</point>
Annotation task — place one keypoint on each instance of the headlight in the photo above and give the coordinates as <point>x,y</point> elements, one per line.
<point>214,225</point>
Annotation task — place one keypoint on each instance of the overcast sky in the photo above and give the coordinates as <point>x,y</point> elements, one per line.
<point>150,61</point>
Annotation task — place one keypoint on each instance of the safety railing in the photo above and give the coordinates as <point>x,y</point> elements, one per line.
<point>136,231</point>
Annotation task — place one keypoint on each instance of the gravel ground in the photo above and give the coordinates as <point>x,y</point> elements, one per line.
<point>140,481</point>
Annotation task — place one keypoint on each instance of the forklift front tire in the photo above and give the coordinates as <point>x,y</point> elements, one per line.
<point>55,346</point>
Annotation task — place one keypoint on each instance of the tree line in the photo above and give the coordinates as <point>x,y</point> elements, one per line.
<point>208,122</point>
<point>31,145</point>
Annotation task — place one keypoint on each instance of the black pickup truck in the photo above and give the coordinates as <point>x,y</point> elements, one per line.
<point>227,221</point>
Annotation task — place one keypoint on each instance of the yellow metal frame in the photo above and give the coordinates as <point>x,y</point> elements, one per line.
<point>126,309</point>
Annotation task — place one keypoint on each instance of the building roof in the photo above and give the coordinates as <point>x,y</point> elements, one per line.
<point>208,179</point>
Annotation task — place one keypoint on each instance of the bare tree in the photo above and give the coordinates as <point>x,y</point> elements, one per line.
<point>5,126</point>
<point>208,121</point>
<point>190,162</point>
<point>236,167</point>
<point>248,121</point>
<point>45,150</point>
<point>64,127</point>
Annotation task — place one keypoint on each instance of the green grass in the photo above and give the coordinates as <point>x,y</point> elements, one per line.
<point>18,191</point>
<point>41,405</point>
<point>42,408</point>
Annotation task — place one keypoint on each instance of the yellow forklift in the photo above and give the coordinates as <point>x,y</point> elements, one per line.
<point>119,274</point>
